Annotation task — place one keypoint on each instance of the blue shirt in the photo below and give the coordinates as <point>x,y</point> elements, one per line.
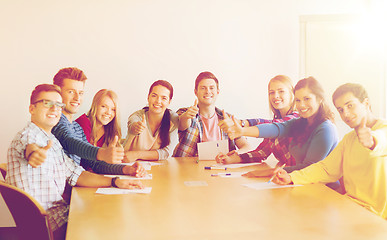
<point>322,140</point>
<point>76,146</point>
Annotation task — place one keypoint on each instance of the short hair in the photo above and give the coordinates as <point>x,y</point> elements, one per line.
<point>43,88</point>
<point>205,75</point>
<point>69,73</point>
<point>356,89</point>
<point>163,83</point>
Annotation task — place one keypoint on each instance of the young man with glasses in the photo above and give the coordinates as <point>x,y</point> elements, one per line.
<point>46,183</point>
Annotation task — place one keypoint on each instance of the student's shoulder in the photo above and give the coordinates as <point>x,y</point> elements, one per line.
<point>83,119</point>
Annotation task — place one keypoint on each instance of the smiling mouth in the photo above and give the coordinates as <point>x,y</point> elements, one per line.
<point>304,110</point>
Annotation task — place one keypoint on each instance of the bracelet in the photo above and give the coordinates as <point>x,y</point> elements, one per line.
<point>114,182</point>
<point>29,155</point>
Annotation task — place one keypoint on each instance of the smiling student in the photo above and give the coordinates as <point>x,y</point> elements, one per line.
<point>152,131</point>
<point>360,157</point>
<point>281,102</point>
<point>199,123</point>
<point>313,135</point>
<point>46,182</point>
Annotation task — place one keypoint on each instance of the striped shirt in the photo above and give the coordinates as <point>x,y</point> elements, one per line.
<point>188,139</point>
<point>45,183</point>
<point>278,146</point>
<point>76,146</point>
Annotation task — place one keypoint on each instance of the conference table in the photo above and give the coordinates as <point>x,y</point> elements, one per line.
<point>186,202</point>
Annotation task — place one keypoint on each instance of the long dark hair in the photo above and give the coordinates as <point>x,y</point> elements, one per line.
<point>166,120</point>
<point>302,130</point>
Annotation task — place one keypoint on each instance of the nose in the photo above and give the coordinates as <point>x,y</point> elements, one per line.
<point>276,95</point>
<point>76,96</point>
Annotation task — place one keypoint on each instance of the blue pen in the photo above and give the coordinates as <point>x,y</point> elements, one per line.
<point>210,168</point>
<point>219,174</point>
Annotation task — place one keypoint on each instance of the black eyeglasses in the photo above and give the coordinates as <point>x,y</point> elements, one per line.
<point>50,104</point>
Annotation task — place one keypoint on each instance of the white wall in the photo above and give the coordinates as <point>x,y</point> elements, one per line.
<point>126,45</point>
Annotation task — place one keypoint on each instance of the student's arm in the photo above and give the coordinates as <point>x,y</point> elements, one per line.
<point>137,122</point>
<point>322,143</point>
<point>242,144</point>
<point>73,145</point>
<point>88,179</point>
<point>186,116</point>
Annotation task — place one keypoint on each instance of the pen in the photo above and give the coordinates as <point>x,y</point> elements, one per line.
<point>275,173</point>
<point>210,168</point>
<point>219,174</point>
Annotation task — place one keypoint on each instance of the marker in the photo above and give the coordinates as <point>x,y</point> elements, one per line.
<point>210,168</point>
<point>272,177</point>
<point>220,174</point>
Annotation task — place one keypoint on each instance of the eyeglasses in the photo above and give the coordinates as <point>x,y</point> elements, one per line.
<point>50,104</point>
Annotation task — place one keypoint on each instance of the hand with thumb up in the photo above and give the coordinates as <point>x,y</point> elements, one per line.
<point>364,134</point>
<point>138,127</point>
<point>36,155</point>
<point>113,154</point>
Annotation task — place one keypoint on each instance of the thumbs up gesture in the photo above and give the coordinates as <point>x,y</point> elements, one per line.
<point>226,123</point>
<point>191,111</point>
<point>36,155</point>
<point>364,134</point>
<point>236,130</point>
<point>139,127</point>
<point>113,154</point>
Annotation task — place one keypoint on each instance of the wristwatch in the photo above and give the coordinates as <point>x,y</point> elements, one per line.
<point>114,182</point>
<point>243,123</point>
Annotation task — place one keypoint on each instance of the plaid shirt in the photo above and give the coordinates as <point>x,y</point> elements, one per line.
<point>188,139</point>
<point>45,183</point>
<point>277,146</point>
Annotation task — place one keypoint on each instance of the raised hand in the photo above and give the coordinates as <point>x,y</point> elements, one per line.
<point>364,134</point>
<point>114,153</point>
<point>236,130</point>
<point>226,123</point>
<point>36,155</point>
<point>191,111</point>
<point>140,126</point>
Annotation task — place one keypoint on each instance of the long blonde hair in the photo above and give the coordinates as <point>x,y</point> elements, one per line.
<point>113,128</point>
<point>288,83</point>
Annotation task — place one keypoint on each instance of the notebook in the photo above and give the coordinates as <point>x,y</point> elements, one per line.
<point>209,150</point>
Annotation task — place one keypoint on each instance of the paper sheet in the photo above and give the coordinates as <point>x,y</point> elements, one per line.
<point>147,177</point>
<point>110,191</point>
<point>228,174</point>
<point>267,185</point>
<point>147,165</point>
<point>237,165</point>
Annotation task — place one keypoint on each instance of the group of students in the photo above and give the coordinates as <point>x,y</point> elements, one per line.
<point>54,147</point>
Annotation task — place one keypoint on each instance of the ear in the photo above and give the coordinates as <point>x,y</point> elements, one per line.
<point>196,92</point>
<point>31,108</point>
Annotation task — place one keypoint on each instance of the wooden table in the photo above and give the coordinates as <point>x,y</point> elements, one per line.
<point>222,210</point>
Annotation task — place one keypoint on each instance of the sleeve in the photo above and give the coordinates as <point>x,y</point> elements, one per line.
<point>259,154</point>
<point>323,140</point>
<point>73,171</point>
<point>135,117</point>
<point>328,170</point>
<point>73,145</point>
<point>275,130</point>
<point>256,121</point>
<point>101,167</point>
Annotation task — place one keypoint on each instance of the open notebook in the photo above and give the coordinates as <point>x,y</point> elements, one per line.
<point>209,150</point>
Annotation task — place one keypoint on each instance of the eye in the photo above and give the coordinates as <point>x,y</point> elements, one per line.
<point>298,100</point>
<point>71,91</point>
<point>81,93</point>
<point>340,110</point>
<point>349,105</point>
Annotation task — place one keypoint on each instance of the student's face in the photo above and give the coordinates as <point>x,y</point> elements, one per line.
<point>306,103</point>
<point>351,110</point>
<point>106,111</point>
<point>44,115</point>
<point>280,95</point>
<point>207,92</point>
<point>158,99</point>
<point>72,94</point>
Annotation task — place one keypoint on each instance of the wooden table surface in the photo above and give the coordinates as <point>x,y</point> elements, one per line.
<point>222,210</point>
